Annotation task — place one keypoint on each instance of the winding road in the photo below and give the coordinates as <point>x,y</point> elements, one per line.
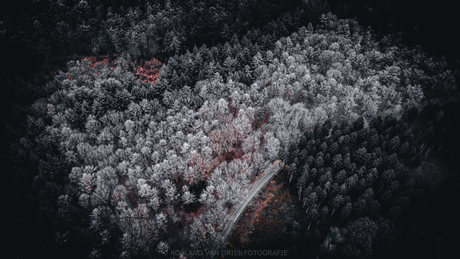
<point>230,222</point>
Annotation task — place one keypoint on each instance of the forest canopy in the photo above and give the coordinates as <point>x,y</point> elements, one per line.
<point>152,121</point>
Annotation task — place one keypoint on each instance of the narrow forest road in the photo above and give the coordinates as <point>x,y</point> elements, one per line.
<point>230,222</point>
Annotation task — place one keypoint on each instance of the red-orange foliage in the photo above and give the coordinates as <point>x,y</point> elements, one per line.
<point>103,63</point>
<point>255,220</point>
<point>268,219</point>
<point>226,144</point>
<point>149,72</point>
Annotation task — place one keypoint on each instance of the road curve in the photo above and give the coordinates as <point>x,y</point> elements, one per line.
<point>230,222</point>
